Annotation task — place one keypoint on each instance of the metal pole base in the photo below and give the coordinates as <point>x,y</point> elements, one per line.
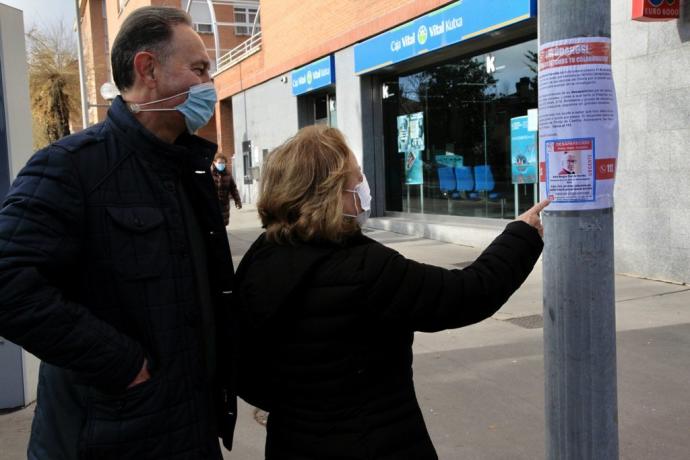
<point>580,336</point>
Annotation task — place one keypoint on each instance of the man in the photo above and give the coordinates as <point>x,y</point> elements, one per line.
<point>569,162</point>
<point>225,186</point>
<point>115,266</point>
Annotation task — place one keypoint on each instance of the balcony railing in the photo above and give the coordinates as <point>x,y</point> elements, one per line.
<point>240,52</point>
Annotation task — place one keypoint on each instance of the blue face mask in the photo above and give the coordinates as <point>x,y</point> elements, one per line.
<point>220,167</point>
<point>197,109</point>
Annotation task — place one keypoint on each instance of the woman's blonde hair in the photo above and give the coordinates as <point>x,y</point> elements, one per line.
<point>302,183</point>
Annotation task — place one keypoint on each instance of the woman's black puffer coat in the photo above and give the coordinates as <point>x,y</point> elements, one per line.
<point>325,337</point>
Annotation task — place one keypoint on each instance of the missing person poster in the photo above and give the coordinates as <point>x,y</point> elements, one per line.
<point>570,167</point>
<point>578,124</point>
<point>414,168</point>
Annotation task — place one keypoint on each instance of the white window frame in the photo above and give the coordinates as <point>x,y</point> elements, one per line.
<point>203,28</point>
<point>247,13</point>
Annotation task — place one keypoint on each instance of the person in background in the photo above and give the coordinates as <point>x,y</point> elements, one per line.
<point>115,266</point>
<point>225,186</point>
<point>326,316</point>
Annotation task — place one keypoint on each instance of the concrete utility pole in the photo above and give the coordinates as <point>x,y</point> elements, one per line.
<point>579,301</point>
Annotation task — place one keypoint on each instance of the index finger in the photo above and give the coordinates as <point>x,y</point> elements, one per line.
<point>539,207</point>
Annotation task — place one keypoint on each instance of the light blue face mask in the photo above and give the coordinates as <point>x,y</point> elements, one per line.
<point>197,109</point>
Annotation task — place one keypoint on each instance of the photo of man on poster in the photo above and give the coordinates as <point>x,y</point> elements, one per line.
<point>569,164</point>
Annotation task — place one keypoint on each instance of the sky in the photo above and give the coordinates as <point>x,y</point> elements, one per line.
<point>45,13</point>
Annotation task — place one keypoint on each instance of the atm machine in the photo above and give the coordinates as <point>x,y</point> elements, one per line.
<point>18,369</point>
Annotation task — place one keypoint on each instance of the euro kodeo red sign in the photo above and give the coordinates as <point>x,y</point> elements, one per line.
<point>655,10</point>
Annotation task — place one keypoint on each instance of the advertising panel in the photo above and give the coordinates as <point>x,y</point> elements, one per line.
<point>411,132</point>
<point>523,151</point>
<point>414,168</point>
<point>411,144</point>
<point>313,76</point>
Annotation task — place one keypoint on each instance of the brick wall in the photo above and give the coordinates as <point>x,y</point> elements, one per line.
<point>209,131</point>
<point>225,128</point>
<point>296,32</point>
<point>96,56</point>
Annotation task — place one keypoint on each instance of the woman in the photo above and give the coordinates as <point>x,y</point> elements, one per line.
<point>326,315</point>
<point>225,186</point>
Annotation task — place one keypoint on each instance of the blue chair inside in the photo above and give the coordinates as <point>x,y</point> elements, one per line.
<point>465,181</point>
<point>446,179</point>
<point>485,181</point>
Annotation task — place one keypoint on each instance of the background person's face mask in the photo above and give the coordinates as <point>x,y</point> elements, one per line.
<point>220,166</point>
<point>197,109</point>
<point>362,191</point>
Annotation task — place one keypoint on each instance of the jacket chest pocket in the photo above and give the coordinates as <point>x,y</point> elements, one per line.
<point>138,241</point>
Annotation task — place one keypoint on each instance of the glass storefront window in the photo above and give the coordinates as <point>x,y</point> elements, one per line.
<point>447,134</point>
<point>317,108</point>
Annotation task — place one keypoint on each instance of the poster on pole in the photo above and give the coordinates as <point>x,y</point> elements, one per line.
<point>578,124</point>
<point>570,170</point>
<point>523,151</point>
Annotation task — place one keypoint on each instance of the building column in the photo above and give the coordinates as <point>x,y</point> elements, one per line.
<point>360,118</point>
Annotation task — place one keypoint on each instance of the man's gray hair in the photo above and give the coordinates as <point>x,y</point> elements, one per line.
<point>147,29</point>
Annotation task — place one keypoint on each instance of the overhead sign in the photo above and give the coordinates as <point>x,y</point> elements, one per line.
<point>313,76</point>
<point>452,24</point>
<point>656,10</point>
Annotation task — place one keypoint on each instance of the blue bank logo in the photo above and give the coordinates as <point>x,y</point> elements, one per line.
<point>422,34</point>
<point>656,2</point>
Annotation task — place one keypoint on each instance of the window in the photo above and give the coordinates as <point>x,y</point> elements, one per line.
<point>447,132</point>
<point>246,17</point>
<point>203,28</point>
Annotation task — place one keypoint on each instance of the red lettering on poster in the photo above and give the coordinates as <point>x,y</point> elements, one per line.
<point>577,144</point>
<point>575,54</point>
<point>542,171</point>
<point>606,169</point>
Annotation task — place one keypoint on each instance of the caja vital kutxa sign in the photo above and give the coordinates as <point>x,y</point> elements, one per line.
<point>454,23</point>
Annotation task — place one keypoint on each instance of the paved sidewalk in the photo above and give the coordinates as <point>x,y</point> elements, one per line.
<point>482,387</point>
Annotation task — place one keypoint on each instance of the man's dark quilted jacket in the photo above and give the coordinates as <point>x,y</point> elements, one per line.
<point>96,275</point>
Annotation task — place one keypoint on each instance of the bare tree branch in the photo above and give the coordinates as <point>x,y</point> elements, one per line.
<point>53,82</point>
